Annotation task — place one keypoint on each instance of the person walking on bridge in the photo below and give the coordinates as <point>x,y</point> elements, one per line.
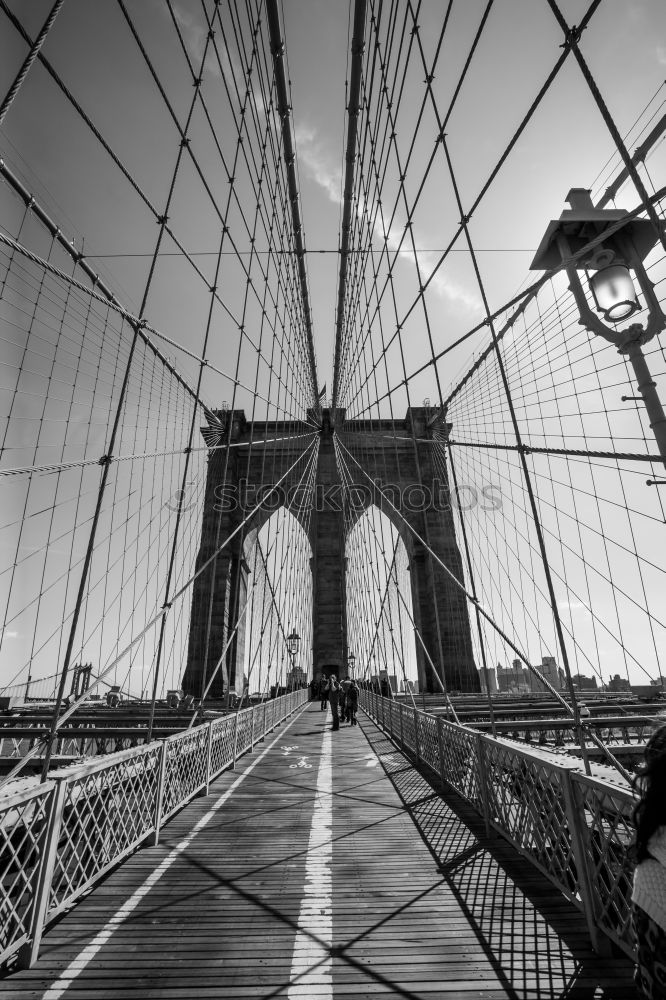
<point>352,703</point>
<point>344,688</point>
<point>649,893</point>
<point>334,699</point>
<point>323,692</point>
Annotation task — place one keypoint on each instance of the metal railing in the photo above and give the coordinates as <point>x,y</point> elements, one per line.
<point>575,829</point>
<point>58,838</point>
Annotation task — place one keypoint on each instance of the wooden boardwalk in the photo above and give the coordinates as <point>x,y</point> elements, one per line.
<point>326,866</point>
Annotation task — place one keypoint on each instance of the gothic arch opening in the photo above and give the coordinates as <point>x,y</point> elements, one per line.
<point>279,602</point>
<point>379,604</point>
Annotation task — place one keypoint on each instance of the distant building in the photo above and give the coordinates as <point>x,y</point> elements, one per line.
<point>513,679</point>
<point>488,679</point>
<point>388,682</point>
<point>584,683</point>
<point>552,672</point>
<point>296,678</point>
<point>618,683</point>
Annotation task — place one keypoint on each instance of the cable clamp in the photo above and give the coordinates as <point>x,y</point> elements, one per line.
<point>105,460</point>
<point>162,220</point>
<point>184,141</point>
<point>167,605</point>
<point>572,38</point>
<point>525,449</point>
<point>197,81</point>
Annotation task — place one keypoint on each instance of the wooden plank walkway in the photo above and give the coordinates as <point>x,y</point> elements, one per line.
<point>326,866</point>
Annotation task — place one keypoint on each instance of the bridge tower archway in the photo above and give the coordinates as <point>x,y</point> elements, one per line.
<point>277,549</point>
<point>380,609</point>
<point>402,480</point>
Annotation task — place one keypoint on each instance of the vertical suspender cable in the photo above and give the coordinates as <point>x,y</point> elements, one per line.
<point>284,110</point>
<point>353,109</point>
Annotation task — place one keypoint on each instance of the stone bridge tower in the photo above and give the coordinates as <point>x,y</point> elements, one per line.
<point>404,471</point>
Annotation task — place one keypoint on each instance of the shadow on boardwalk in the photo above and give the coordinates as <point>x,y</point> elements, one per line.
<point>535,940</point>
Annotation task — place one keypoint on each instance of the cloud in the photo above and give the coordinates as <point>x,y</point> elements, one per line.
<point>9,635</point>
<point>195,32</point>
<point>427,262</point>
<point>317,167</point>
<point>312,157</point>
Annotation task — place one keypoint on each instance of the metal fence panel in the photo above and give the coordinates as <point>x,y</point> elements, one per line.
<point>109,808</point>
<point>575,829</point>
<point>23,822</point>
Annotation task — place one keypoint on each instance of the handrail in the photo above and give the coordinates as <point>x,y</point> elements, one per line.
<point>576,829</point>
<point>58,838</point>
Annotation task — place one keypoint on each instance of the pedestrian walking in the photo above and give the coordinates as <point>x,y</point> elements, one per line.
<point>344,684</point>
<point>344,688</point>
<point>649,892</point>
<point>352,703</point>
<point>323,692</point>
<point>334,699</point>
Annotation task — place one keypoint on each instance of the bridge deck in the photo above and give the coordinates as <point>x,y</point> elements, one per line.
<point>325,866</point>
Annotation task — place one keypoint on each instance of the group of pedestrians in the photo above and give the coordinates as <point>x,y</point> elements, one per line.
<point>342,696</point>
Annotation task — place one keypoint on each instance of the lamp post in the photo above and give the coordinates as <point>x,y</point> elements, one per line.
<point>351,660</point>
<point>293,646</point>
<point>608,266</point>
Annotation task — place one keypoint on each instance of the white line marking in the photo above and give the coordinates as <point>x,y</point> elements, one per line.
<point>78,964</point>
<point>311,963</point>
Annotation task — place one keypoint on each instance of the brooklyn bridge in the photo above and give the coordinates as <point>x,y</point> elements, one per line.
<point>332,345</point>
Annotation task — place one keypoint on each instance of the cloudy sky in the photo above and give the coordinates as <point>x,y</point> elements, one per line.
<point>566,144</point>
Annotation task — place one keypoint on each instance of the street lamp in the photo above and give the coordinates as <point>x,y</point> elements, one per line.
<point>608,266</point>
<point>293,646</point>
<point>293,643</point>
<point>351,660</point>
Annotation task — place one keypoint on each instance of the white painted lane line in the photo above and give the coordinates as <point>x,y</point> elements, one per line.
<point>83,959</point>
<point>311,964</point>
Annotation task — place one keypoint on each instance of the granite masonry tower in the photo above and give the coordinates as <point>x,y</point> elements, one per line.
<point>439,607</point>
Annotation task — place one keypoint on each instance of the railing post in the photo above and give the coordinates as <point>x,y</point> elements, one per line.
<point>235,739</point>
<point>252,730</point>
<point>154,838</point>
<point>577,824</point>
<point>402,727</point>
<point>416,736</point>
<point>27,955</point>
<point>483,783</point>
<point>263,728</point>
<point>440,747</point>
<point>209,745</point>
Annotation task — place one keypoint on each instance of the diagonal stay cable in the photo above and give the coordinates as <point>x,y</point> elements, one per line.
<point>154,620</point>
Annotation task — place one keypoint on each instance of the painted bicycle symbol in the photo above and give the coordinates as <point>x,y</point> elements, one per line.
<point>302,762</point>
